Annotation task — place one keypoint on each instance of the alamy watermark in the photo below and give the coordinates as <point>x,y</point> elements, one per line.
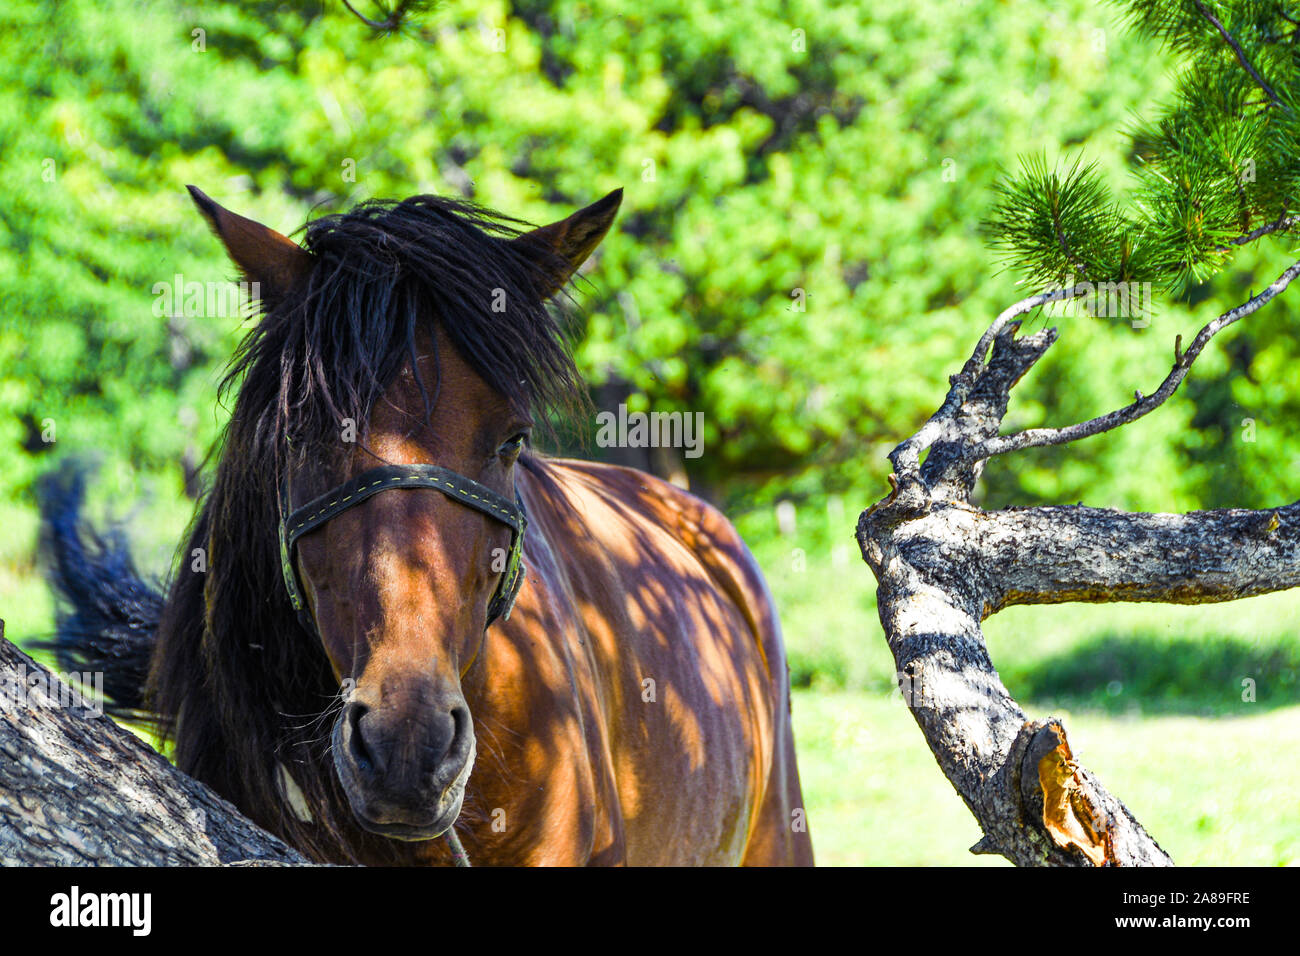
<point>626,429</point>
<point>133,911</point>
<point>81,691</point>
<point>194,299</point>
<point>1108,300</point>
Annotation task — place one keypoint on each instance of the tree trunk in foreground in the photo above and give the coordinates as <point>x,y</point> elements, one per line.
<point>78,790</point>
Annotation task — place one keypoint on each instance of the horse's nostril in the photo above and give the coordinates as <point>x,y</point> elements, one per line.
<point>392,752</point>
<point>357,749</point>
<point>462,732</point>
<point>460,718</point>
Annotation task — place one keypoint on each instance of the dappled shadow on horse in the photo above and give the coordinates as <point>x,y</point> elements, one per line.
<point>409,624</point>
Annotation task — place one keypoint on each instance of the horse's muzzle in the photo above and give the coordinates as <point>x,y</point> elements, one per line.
<point>404,773</point>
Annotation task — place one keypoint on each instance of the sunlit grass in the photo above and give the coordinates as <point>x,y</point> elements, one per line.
<point>1212,791</point>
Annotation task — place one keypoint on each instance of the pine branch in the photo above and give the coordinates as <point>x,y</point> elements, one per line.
<point>394,18</point>
<point>1281,224</point>
<point>1054,224</point>
<point>1236,48</point>
<point>1219,162</point>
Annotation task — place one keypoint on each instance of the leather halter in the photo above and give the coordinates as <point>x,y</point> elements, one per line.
<point>388,477</point>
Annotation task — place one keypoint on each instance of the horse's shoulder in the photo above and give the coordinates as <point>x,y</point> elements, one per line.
<point>701,528</point>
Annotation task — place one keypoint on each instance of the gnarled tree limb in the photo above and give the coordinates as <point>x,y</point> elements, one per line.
<point>943,565</point>
<point>1036,437</point>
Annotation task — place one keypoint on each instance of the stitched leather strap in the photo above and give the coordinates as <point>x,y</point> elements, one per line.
<point>320,510</point>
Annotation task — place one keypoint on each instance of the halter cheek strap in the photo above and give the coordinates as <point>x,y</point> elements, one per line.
<point>468,492</point>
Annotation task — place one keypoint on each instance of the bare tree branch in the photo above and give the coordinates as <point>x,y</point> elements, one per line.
<point>1058,554</point>
<point>1281,224</point>
<point>906,456</point>
<point>1036,437</point>
<point>943,565</point>
<point>1035,804</point>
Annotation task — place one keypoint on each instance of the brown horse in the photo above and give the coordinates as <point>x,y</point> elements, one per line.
<point>633,708</point>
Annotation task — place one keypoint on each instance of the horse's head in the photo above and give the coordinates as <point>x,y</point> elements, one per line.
<point>421,334</point>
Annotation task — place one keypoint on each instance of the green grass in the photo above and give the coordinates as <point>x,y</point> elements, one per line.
<point>1212,791</point>
<point>875,795</point>
<point>26,606</point>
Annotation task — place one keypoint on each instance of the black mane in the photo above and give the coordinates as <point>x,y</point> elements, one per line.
<point>326,351</point>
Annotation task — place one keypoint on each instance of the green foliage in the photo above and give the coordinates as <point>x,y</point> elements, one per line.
<point>801,156</point>
<point>1220,162</point>
<point>1060,224</point>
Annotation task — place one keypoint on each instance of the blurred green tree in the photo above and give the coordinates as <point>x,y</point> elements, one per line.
<point>804,185</point>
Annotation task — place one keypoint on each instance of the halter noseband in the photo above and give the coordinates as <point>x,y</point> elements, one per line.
<point>333,503</point>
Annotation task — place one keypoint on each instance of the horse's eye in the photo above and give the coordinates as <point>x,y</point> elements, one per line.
<point>513,446</point>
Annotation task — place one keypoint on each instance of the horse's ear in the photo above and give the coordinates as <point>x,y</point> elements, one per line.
<point>263,255</point>
<point>573,239</point>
